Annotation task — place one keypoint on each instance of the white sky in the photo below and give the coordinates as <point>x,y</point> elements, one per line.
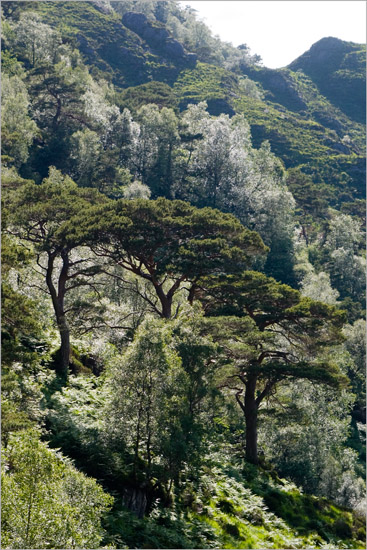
<point>280,31</point>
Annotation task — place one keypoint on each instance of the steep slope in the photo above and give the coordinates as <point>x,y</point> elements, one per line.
<point>286,108</point>
<point>311,112</point>
<point>338,69</point>
<point>240,509</point>
<point>126,57</point>
<point>171,443</point>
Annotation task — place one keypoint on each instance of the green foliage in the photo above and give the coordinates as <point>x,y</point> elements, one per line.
<point>149,388</point>
<point>346,268</point>
<point>77,367</point>
<point>77,427</point>
<point>270,303</point>
<point>153,239</point>
<point>33,41</point>
<point>47,502</point>
<point>294,142</point>
<point>158,93</point>
<point>312,200</point>
<point>303,444</point>
<point>48,207</point>
<point>340,73</point>
<point>355,337</point>
<point>313,133</point>
<point>22,342</point>
<point>157,383</point>
<point>154,153</point>
<point>21,391</point>
<point>183,238</point>
<point>276,334</point>
<point>20,326</point>
<point>147,420</point>
<point>124,58</point>
<point>206,83</point>
<point>190,31</point>
<point>58,106</point>
<point>229,508</point>
<point>321,131</point>
<point>317,286</point>
<point>39,212</point>
<point>17,128</point>
<point>10,64</point>
<point>344,173</point>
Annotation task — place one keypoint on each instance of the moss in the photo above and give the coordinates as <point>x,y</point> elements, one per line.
<point>77,363</point>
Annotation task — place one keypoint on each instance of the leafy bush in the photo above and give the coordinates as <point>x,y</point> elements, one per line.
<point>46,502</point>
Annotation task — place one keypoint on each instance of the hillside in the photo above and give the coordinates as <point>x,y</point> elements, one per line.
<point>296,108</point>
<point>338,69</point>
<point>183,277</point>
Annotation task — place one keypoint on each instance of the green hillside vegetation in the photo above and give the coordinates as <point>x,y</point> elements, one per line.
<point>110,48</point>
<point>183,276</point>
<point>231,508</point>
<point>298,138</point>
<point>291,108</point>
<point>343,65</point>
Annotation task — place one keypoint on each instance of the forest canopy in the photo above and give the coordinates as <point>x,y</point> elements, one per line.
<point>182,286</point>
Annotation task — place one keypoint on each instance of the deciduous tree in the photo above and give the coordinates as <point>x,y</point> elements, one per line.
<point>17,127</point>
<point>46,501</point>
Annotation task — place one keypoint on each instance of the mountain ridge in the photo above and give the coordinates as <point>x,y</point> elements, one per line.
<point>333,63</point>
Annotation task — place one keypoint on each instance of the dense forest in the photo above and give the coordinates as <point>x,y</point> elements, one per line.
<point>183,332</point>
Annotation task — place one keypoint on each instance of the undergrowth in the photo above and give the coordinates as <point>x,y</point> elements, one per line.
<point>238,508</point>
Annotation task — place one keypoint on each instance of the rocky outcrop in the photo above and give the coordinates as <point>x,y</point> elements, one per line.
<point>158,38</point>
<point>151,33</point>
<point>280,87</point>
<point>103,6</point>
<point>218,106</point>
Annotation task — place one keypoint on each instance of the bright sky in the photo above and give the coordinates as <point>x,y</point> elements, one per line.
<point>280,31</point>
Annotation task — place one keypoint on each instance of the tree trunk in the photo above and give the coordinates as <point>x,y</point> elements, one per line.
<point>65,348</point>
<point>136,500</point>
<point>192,292</point>
<point>55,120</point>
<point>167,309</point>
<point>166,301</point>
<point>250,410</point>
<point>304,233</point>
<point>58,297</point>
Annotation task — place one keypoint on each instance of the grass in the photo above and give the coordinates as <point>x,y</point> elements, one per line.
<point>203,83</point>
